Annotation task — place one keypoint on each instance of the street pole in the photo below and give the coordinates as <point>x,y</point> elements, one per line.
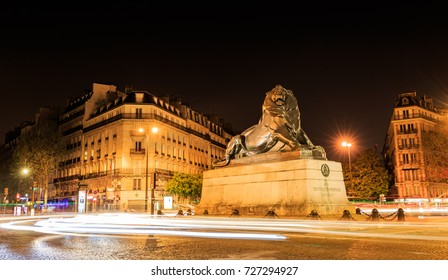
<point>152,192</point>
<point>350,164</point>
<point>146,175</point>
<point>348,145</point>
<point>154,130</point>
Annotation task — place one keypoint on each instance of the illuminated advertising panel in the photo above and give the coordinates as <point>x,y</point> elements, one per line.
<point>168,202</point>
<point>82,197</point>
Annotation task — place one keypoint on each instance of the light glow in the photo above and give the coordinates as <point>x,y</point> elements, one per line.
<point>346,144</point>
<point>125,225</point>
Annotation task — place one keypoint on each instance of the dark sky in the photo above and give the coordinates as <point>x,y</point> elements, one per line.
<point>345,64</point>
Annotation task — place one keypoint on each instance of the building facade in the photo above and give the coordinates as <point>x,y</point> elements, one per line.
<point>119,146</point>
<point>11,173</point>
<point>403,147</point>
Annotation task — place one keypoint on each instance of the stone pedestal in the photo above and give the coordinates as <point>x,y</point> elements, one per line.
<point>281,182</point>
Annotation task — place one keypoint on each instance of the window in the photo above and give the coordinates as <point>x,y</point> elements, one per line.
<point>138,113</point>
<point>406,114</point>
<point>415,174</point>
<point>407,175</point>
<point>405,159</point>
<point>414,158</point>
<point>412,143</point>
<point>403,143</point>
<point>137,184</point>
<point>138,146</point>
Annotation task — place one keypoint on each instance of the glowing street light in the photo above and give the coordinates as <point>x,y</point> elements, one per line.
<point>153,130</point>
<point>25,171</point>
<point>348,145</point>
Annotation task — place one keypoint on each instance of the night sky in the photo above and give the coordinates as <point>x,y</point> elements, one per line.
<point>344,64</point>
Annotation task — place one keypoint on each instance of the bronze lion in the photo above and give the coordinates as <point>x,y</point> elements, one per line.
<point>277,130</point>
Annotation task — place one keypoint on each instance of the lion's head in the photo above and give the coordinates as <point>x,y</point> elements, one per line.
<point>279,95</point>
<point>280,101</point>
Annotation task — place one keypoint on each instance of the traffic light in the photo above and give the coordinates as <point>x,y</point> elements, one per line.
<point>34,186</point>
<point>18,196</point>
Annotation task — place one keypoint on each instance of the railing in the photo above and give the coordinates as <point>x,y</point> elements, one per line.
<point>71,117</point>
<point>114,172</point>
<point>155,117</point>
<point>138,151</point>
<point>408,131</point>
<point>401,147</point>
<point>415,115</point>
<point>72,130</point>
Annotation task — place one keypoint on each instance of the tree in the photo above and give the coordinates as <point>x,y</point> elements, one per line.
<point>37,150</point>
<point>185,186</point>
<point>435,143</point>
<point>370,177</point>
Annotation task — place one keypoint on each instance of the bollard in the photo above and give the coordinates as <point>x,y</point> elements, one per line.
<point>313,215</point>
<point>235,212</point>
<point>375,215</point>
<point>271,213</point>
<point>346,215</point>
<point>400,215</point>
<point>358,211</point>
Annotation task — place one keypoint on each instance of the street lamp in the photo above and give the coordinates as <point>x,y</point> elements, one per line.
<point>25,172</point>
<point>348,145</point>
<point>154,130</point>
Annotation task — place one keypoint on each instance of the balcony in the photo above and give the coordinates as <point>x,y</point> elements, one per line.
<point>414,116</point>
<point>408,131</point>
<point>138,152</point>
<point>415,146</point>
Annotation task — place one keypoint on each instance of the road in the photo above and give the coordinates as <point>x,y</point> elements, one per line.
<point>140,237</point>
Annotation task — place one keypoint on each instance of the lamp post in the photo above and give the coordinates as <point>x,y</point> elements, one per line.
<point>154,130</point>
<point>25,172</point>
<point>348,145</point>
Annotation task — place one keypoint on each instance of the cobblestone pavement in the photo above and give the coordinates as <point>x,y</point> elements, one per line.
<point>29,245</point>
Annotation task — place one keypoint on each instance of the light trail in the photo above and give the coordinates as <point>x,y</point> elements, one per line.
<point>231,228</point>
<point>128,225</point>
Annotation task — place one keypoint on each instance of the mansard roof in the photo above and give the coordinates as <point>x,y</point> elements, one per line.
<point>75,102</point>
<point>131,98</point>
<point>409,99</point>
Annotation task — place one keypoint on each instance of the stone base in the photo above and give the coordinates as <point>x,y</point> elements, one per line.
<point>279,182</point>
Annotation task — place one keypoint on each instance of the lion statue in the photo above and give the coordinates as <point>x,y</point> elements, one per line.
<point>277,130</point>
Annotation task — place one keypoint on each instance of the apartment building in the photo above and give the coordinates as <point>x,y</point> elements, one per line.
<point>116,145</point>
<point>403,148</point>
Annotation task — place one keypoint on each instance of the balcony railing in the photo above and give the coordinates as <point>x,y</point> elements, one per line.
<point>408,131</point>
<point>156,117</point>
<point>114,172</point>
<point>414,116</point>
<point>401,147</point>
<point>138,151</point>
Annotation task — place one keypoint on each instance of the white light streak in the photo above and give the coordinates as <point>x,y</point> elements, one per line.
<point>118,225</point>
